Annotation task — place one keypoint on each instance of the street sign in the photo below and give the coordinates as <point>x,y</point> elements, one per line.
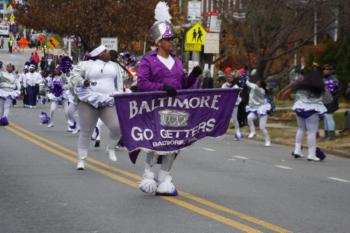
<point>111,43</point>
<point>194,10</point>
<point>195,38</point>
<point>41,38</point>
<point>12,18</point>
<point>52,43</point>
<point>213,22</point>
<point>212,43</point>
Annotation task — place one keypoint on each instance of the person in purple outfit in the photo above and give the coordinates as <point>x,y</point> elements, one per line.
<point>162,70</point>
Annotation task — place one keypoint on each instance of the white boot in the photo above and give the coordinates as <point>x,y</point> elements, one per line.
<point>82,156</point>
<point>312,154</point>
<point>297,151</point>
<point>111,154</point>
<point>148,184</point>
<point>165,186</point>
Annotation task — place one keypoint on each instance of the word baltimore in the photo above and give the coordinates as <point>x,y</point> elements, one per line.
<point>138,108</point>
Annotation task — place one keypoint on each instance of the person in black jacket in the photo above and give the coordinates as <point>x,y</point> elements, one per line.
<point>207,80</point>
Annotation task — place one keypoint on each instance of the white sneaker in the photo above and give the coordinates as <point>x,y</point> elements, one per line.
<point>76,131</point>
<point>297,155</point>
<point>251,135</point>
<point>50,125</point>
<point>268,143</point>
<point>81,165</point>
<point>312,158</point>
<point>111,154</point>
<point>69,129</point>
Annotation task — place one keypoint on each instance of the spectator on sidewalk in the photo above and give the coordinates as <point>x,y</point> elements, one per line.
<point>232,82</point>
<point>10,44</point>
<point>244,94</point>
<point>208,81</point>
<point>346,130</point>
<point>332,86</point>
<point>44,63</point>
<point>35,58</point>
<point>1,42</point>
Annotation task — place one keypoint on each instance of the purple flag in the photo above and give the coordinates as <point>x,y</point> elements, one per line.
<point>152,121</point>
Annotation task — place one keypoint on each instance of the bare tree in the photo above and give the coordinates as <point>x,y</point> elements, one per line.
<point>271,31</point>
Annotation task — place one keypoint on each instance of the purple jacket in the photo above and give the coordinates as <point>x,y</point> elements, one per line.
<point>152,74</point>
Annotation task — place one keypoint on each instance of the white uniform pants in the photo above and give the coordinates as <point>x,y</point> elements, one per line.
<point>53,109</point>
<point>309,125</point>
<point>5,105</point>
<point>262,124</point>
<point>88,116</point>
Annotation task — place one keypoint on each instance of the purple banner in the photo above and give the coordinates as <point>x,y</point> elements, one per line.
<point>153,121</point>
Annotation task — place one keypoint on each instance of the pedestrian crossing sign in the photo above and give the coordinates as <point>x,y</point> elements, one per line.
<point>195,38</point>
<point>12,18</point>
<point>52,43</point>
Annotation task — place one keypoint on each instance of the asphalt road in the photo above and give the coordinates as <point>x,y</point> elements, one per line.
<point>226,186</point>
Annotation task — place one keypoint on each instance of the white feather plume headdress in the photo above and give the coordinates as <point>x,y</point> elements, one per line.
<point>161,13</point>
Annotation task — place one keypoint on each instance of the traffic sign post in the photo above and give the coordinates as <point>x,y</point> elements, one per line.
<point>212,43</point>
<point>194,10</point>
<point>195,38</point>
<point>52,42</point>
<point>213,22</point>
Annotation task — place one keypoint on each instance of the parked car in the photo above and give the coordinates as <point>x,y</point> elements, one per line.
<point>4,30</point>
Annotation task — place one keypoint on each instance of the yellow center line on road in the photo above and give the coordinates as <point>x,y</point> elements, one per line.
<point>202,201</point>
<point>191,207</point>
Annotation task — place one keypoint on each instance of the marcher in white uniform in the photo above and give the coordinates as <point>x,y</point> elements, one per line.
<point>232,82</point>
<point>31,80</point>
<point>73,125</point>
<point>95,82</point>
<point>308,107</point>
<point>23,90</point>
<point>258,108</point>
<point>57,86</point>
<point>66,67</point>
<point>9,90</point>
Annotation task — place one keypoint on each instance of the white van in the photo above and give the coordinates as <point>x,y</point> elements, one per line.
<point>4,30</point>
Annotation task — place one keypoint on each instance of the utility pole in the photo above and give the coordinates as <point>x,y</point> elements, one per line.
<point>336,24</point>
<point>315,27</point>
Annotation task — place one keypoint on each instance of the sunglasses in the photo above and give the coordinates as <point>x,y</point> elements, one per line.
<point>169,39</point>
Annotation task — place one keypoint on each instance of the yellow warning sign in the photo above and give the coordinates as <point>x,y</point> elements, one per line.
<point>12,18</point>
<point>52,42</point>
<point>195,38</point>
